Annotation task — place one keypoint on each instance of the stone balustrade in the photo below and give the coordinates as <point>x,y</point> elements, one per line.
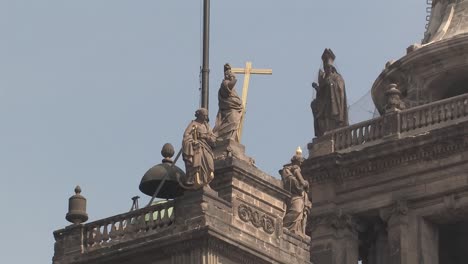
<point>127,226</point>
<point>434,113</point>
<point>397,124</point>
<point>358,134</point>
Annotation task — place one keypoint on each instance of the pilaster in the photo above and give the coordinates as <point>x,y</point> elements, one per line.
<point>334,239</point>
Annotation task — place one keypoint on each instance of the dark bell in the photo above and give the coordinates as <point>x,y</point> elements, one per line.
<point>154,176</point>
<point>77,208</point>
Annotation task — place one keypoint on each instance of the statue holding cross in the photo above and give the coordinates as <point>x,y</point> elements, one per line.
<point>230,108</point>
<point>231,114</point>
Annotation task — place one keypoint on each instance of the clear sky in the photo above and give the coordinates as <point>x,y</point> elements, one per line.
<point>90,91</point>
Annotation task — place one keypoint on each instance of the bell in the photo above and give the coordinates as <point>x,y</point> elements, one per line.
<point>77,208</point>
<point>168,170</point>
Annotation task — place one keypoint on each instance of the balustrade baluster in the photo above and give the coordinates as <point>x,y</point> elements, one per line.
<point>157,220</point>
<point>448,108</point>
<point>341,139</point>
<point>455,109</point>
<point>121,230</point>
<point>105,233</point>
<point>367,133</point>
<point>128,227</point>
<point>443,114</point>
<point>435,114</point>
<point>165,218</point>
<point>429,116</point>
<point>151,220</point>
<point>143,226</point>
<point>404,122</point>
<point>465,107</point>
<point>172,215</point>
<point>424,118</point>
<point>113,232</point>
<point>361,135</point>
<point>379,128</point>
<point>90,237</point>
<point>98,235</point>
<point>459,108</point>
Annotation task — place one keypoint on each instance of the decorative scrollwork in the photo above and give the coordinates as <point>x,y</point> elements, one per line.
<point>257,218</point>
<point>244,212</point>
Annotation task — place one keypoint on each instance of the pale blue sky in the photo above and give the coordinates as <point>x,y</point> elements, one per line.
<point>91,90</point>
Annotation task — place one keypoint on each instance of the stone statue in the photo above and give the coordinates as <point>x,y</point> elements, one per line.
<point>299,206</point>
<point>329,107</point>
<point>197,152</point>
<point>230,108</point>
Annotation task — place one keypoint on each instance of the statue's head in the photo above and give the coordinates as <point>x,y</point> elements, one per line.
<point>201,114</point>
<point>328,57</point>
<point>227,71</point>
<point>297,159</point>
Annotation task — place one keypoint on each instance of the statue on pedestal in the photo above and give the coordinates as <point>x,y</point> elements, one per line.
<point>299,206</point>
<point>329,107</point>
<point>230,108</point>
<point>197,152</point>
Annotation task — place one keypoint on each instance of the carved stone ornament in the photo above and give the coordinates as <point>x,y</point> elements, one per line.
<point>337,220</point>
<point>258,219</point>
<point>424,153</point>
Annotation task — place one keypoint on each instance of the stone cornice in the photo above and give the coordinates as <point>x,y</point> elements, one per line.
<point>390,154</point>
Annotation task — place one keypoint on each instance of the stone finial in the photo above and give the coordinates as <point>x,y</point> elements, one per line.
<point>77,208</point>
<point>167,152</point>
<point>412,48</point>
<point>394,102</point>
<point>299,151</point>
<point>389,63</point>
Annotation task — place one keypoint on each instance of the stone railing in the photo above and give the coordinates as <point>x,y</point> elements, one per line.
<point>393,124</point>
<point>358,134</point>
<point>434,113</point>
<point>123,227</point>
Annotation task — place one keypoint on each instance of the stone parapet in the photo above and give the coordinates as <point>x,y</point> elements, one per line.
<point>393,125</point>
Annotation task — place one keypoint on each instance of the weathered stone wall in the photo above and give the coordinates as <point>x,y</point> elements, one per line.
<point>387,202</point>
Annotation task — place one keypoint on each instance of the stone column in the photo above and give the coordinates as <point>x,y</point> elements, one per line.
<point>379,250</point>
<point>429,239</point>
<point>334,240</point>
<point>402,234</point>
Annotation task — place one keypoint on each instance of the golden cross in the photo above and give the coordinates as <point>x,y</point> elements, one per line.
<point>245,88</point>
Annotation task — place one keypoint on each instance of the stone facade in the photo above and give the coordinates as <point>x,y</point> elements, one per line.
<point>238,221</point>
<point>393,189</point>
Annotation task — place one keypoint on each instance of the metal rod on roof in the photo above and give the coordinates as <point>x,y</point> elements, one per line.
<point>206,55</point>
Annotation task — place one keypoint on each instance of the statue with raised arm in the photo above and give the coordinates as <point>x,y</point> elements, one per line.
<point>230,108</point>
<point>299,205</point>
<point>197,152</point>
<point>330,108</point>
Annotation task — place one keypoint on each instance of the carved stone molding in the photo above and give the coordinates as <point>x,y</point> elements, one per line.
<point>337,221</point>
<point>257,218</point>
<point>443,147</point>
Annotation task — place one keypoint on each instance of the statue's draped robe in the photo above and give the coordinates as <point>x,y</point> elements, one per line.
<point>299,205</point>
<point>230,111</point>
<point>330,107</point>
<point>199,164</point>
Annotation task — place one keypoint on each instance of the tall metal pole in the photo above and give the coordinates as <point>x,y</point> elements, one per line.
<point>206,55</point>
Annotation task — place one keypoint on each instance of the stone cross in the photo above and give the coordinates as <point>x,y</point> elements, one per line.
<point>245,88</point>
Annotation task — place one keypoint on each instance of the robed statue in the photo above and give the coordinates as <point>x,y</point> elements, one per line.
<point>298,207</point>
<point>197,152</point>
<point>329,107</point>
<point>230,108</point>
